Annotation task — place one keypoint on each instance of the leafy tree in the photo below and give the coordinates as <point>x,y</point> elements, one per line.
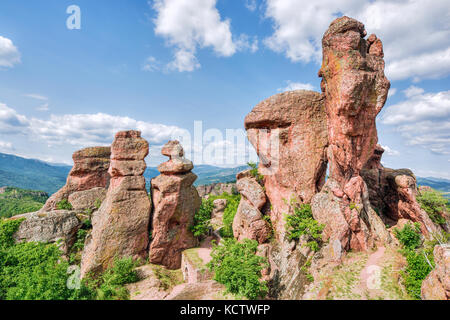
<point>202,218</point>
<point>409,236</point>
<point>229,213</point>
<point>236,265</point>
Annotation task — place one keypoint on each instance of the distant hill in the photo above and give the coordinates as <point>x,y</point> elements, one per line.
<point>15,201</point>
<point>39,175</point>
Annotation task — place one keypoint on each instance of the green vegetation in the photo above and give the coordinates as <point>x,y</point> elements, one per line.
<point>14,201</point>
<point>64,204</point>
<point>202,218</point>
<point>435,204</point>
<point>167,278</point>
<point>301,222</point>
<point>254,171</point>
<point>236,265</point>
<point>409,236</point>
<point>37,271</point>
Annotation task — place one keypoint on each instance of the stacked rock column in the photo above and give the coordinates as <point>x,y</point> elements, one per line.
<point>120,227</point>
<point>176,201</point>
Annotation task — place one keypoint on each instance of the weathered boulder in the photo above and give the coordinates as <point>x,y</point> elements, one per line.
<point>289,134</point>
<point>248,222</point>
<point>355,90</point>
<point>49,227</point>
<point>216,189</point>
<point>393,193</point>
<point>89,172</point>
<point>175,203</point>
<point>120,226</point>
<point>436,285</point>
<point>87,199</point>
<point>217,213</point>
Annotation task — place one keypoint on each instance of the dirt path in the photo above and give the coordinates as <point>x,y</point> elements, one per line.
<point>370,276</point>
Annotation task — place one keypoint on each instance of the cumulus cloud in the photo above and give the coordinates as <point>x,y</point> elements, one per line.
<point>9,54</point>
<point>296,86</point>
<point>188,25</point>
<point>81,129</point>
<point>251,5</point>
<point>389,151</point>
<point>423,119</point>
<point>419,52</point>
<point>11,121</point>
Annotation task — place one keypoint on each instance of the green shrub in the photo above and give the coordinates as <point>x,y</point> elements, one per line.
<point>237,266</point>
<point>254,171</point>
<point>98,203</point>
<point>409,236</point>
<point>434,203</point>
<point>14,201</point>
<point>202,218</point>
<point>416,271</point>
<point>301,222</point>
<point>229,213</point>
<point>111,284</point>
<point>64,205</point>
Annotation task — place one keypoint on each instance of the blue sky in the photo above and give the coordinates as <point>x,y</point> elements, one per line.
<point>158,66</point>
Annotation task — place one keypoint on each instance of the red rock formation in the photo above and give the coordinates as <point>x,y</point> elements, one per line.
<point>175,203</point>
<point>355,91</point>
<point>120,227</point>
<point>289,133</point>
<point>248,222</point>
<point>436,285</point>
<point>90,171</point>
<point>393,193</point>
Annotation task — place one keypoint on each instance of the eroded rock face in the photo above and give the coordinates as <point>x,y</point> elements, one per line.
<point>49,227</point>
<point>89,172</point>
<point>248,222</point>
<point>289,133</point>
<point>216,189</point>
<point>393,193</point>
<point>120,227</point>
<point>436,285</point>
<point>217,213</point>
<point>355,90</point>
<point>175,203</point>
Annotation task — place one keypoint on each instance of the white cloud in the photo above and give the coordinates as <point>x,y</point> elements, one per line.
<point>413,91</point>
<point>9,54</point>
<point>392,92</point>
<point>151,64</point>
<point>36,96</point>
<point>5,145</point>
<point>296,86</point>
<point>43,107</point>
<point>251,5</point>
<point>11,121</point>
<point>189,25</point>
<point>390,152</point>
<point>243,43</point>
<point>415,33</point>
<point>81,129</point>
<point>423,119</point>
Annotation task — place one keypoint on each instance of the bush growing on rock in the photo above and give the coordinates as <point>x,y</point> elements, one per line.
<point>236,265</point>
<point>64,205</point>
<point>409,236</point>
<point>202,218</point>
<point>301,222</point>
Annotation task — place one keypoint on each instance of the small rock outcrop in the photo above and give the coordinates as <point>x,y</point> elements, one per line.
<point>289,134</point>
<point>248,222</point>
<point>216,189</point>
<point>436,285</point>
<point>49,227</point>
<point>355,90</point>
<point>217,214</point>
<point>120,227</point>
<point>393,193</point>
<point>89,173</point>
<point>175,203</point>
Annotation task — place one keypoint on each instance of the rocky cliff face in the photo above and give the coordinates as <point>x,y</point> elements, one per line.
<point>436,285</point>
<point>355,90</point>
<point>289,133</point>
<point>88,179</point>
<point>175,202</point>
<point>120,227</point>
